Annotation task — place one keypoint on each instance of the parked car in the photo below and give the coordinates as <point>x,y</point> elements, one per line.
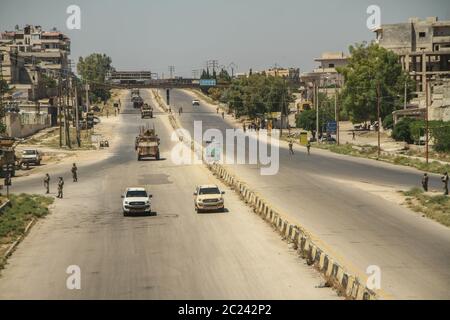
<point>208,197</point>
<point>31,156</point>
<point>328,139</point>
<point>421,141</point>
<point>195,102</point>
<point>136,200</point>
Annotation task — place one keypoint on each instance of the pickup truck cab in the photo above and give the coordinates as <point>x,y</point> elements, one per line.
<point>136,200</point>
<point>208,197</point>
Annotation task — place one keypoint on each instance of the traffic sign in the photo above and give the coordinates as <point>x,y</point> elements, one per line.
<point>208,82</point>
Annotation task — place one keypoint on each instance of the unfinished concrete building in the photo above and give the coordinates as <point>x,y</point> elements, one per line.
<point>422,45</point>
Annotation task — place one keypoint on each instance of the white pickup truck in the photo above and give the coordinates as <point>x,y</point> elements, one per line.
<point>136,200</point>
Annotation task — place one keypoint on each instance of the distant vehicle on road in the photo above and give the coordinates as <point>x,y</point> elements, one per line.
<point>31,156</point>
<point>208,197</point>
<point>146,111</point>
<point>7,156</point>
<point>136,200</point>
<point>195,102</point>
<point>147,144</point>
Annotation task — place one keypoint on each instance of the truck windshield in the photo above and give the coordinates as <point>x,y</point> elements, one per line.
<point>137,194</point>
<point>29,151</point>
<point>209,191</point>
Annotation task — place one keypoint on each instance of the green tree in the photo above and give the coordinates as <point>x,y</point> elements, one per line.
<point>93,69</point>
<point>440,131</point>
<point>370,67</point>
<point>402,130</point>
<point>257,95</point>
<point>223,77</point>
<point>307,120</point>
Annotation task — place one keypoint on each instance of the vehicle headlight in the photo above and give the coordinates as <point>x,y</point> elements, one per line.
<point>126,202</point>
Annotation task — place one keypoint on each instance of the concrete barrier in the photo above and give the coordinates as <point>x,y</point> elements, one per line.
<point>337,276</point>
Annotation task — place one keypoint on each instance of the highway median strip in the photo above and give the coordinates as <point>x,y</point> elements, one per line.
<point>336,275</point>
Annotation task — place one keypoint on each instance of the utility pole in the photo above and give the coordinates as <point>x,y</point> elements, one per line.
<point>378,118</point>
<point>87,96</point>
<point>316,101</point>
<point>60,110</point>
<point>1,88</point>
<point>426,118</point>
<point>77,125</point>
<point>406,94</point>
<point>283,109</point>
<point>171,71</point>
<point>66,118</point>
<point>336,111</point>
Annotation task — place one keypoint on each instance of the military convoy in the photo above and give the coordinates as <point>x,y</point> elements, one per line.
<point>8,159</point>
<point>137,100</point>
<point>146,111</point>
<point>147,144</point>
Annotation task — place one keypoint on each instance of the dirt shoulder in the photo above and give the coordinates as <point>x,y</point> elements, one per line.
<point>47,142</point>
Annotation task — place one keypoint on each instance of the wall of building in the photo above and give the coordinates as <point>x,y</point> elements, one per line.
<point>26,124</point>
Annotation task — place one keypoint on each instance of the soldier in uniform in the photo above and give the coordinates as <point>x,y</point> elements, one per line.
<point>47,183</point>
<point>60,187</point>
<point>74,173</point>
<point>444,180</point>
<point>291,147</point>
<point>425,182</point>
<point>308,147</point>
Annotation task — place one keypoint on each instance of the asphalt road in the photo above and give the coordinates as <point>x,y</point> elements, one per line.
<point>176,254</point>
<point>360,228</point>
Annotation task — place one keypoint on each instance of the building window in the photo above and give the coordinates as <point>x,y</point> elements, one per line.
<point>422,34</point>
<point>331,65</point>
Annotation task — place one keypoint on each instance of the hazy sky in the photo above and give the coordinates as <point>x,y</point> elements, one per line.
<point>251,33</point>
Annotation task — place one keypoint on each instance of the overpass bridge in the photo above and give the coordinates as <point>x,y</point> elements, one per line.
<point>157,83</point>
<point>147,79</point>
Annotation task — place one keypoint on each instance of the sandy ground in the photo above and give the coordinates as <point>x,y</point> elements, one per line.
<point>173,254</point>
<point>105,130</point>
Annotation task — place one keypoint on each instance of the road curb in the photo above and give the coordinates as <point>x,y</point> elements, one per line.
<point>4,205</point>
<point>336,275</point>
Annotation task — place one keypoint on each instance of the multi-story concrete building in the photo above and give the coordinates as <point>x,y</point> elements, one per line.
<point>423,47</point>
<point>29,53</point>
<point>47,49</point>
<point>325,76</point>
<point>293,74</point>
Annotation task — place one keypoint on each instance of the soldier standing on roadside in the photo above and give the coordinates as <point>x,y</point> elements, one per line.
<point>47,183</point>
<point>60,187</point>
<point>308,147</point>
<point>291,147</point>
<point>425,182</point>
<point>74,173</point>
<point>444,180</point>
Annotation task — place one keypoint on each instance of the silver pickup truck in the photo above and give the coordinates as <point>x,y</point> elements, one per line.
<point>31,156</point>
